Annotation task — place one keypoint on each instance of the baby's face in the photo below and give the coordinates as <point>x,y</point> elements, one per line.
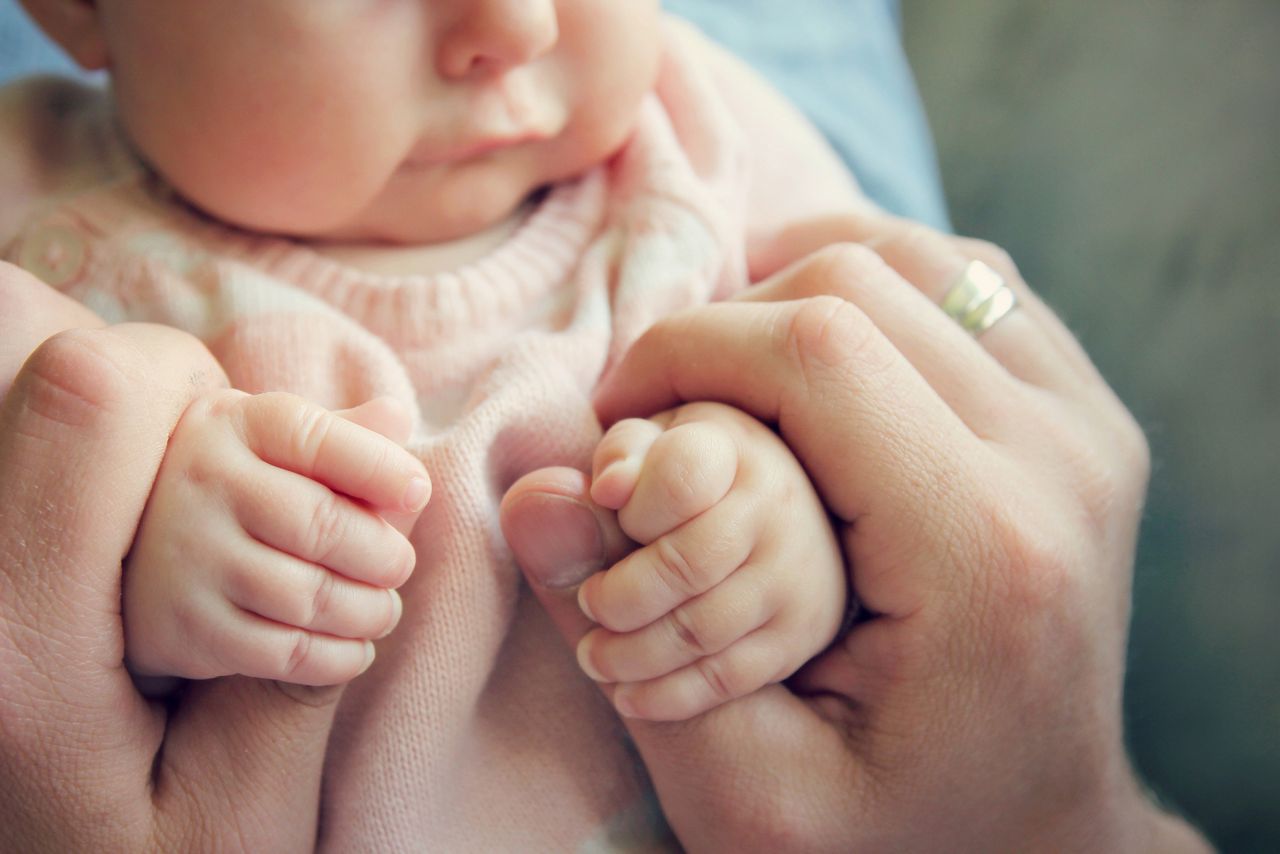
<point>405,121</point>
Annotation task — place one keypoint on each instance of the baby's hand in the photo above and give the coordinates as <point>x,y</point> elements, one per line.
<point>740,580</point>
<point>263,550</point>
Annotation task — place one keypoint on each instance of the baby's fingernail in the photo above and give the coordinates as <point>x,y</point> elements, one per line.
<point>613,467</point>
<point>584,661</point>
<point>369,654</point>
<point>397,609</point>
<point>417,493</point>
<point>583,606</point>
<point>623,703</point>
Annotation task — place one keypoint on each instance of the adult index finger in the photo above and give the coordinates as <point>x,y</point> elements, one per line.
<point>82,432</point>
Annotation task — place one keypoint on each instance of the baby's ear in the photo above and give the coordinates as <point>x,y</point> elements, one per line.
<point>75,25</point>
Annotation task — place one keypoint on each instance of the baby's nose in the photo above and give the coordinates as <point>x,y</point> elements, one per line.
<point>491,35</point>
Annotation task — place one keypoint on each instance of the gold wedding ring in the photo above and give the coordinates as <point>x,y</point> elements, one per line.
<point>979,298</point>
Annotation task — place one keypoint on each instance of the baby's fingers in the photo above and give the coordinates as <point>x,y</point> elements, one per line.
<point>616,464</point>
<point>756,660</point>
<point>253,646</point>
<point>678,474</point>
<point>684,564</point>
<point>736,607</point>
<point>291,433</point>
<point>300,517</point>
<point>285,590</point>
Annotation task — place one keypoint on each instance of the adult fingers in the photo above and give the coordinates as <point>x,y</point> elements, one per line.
<point>961,372</point>
<point>560,537</point>
<point>1027,341</point>
<point>82,432</point>
<point>30,313</point>
<point>1034,346</point>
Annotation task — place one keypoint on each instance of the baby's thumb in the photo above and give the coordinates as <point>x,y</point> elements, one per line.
<point>392,419</point>
<point>385,416</point>
<point>560,537</point>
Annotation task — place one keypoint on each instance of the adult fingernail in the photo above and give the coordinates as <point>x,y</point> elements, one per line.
<point>369,653</point>
<point>556,540</point>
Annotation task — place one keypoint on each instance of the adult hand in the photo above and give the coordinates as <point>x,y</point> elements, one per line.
<point>988,495</point>
<point>87,764</point>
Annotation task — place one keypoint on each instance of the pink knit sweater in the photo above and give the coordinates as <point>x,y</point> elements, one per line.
<point>474,730</point>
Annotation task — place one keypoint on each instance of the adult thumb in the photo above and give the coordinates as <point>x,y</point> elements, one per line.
<point>560,537</point>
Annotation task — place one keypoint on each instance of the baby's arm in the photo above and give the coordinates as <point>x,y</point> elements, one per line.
<point>740,580</point>
<point>263,549</point>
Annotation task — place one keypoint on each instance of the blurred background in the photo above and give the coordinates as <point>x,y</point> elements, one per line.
<point>1127,153</point>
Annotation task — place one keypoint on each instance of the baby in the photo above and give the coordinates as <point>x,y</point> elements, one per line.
<point>415,234</point>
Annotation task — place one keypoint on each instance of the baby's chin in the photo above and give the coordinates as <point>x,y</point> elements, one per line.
<point>423,224</point>
<point>406,233</point>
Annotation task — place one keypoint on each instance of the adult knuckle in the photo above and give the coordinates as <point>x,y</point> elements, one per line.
<point>916,239</point>
<point>826,332</point>
<point>78,377</point>
<point>1108,473</point>
<point>841,268</point>
<point>1039,572</point>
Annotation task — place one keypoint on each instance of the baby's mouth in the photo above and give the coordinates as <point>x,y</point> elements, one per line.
<point>427,156</point>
